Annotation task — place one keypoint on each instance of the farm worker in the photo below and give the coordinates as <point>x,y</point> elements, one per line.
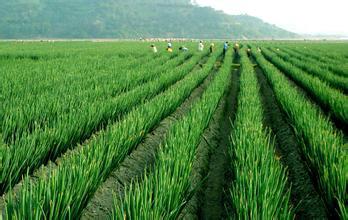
<point>183,48</point>
<point>259,49</point>
<point>200,46</point>
<point>225,48</point>
<point>236,48</point>
<point>154,48</point>
<point>170,47</point>
<point>211,48</point>
<point>249,52</point>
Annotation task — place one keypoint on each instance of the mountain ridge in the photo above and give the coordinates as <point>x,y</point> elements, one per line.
<point>130,19</point>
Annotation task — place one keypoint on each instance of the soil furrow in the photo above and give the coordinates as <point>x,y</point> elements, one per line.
<point>211,175</point>
<point>136,163</point>
<point>210,139</point>
<point>219,175</point>
<point>304,195</point>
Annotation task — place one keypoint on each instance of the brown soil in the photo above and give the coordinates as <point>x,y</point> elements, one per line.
<point>211,174</point>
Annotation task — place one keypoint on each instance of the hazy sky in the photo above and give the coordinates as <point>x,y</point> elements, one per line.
<point>301,16</point>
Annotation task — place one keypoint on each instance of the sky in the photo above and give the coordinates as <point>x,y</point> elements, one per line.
<point>300,16</point>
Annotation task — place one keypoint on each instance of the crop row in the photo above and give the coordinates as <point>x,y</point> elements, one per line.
<point>72,50</point>
<point>322,145</point>
<point>165,189</point>
<point>29,111</point>
<point>331,54</point>
<point>313,51</point>
<point>37,81</point>
<point>259,190</point>
<point>43,76</point>
<point>336,66</point>
<point>314,68</point>
<point>331,99</point>
<point>48,143</point>
<point>80,172</point>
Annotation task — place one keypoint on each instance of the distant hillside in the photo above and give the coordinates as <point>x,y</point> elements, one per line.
<point>126,19</point>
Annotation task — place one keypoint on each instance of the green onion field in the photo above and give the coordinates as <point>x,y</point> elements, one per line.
<point>111,130</point>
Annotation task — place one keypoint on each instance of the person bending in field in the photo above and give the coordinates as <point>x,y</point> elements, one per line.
<point>225,48</point>
<point>236,48</point>
<point>154,48</point>
<point>183,49</point>
<point>211,48</point>
<point>200,46</point>
<point>170,47</point>
<point>249,52</point>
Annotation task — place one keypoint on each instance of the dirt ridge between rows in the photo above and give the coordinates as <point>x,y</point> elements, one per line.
<point>216,204</point>
<point>139,160</point>
<point>307,201</point>
<point>211,173</point>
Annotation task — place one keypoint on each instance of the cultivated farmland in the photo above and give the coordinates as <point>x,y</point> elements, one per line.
<point>111,130</point>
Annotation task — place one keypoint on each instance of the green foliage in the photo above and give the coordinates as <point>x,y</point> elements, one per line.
<point>332,56</point>
<point>313,68</point>
<point>330,98</point>
<point>82,170</point>
<point>339,67</point>
<point>322,145</point>
<point>79,108</point>
<point>73,126</point>
<point>165,189</point>
<point>259,190</point>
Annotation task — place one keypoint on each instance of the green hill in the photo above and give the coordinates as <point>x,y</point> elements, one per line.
<point>126,19</point>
